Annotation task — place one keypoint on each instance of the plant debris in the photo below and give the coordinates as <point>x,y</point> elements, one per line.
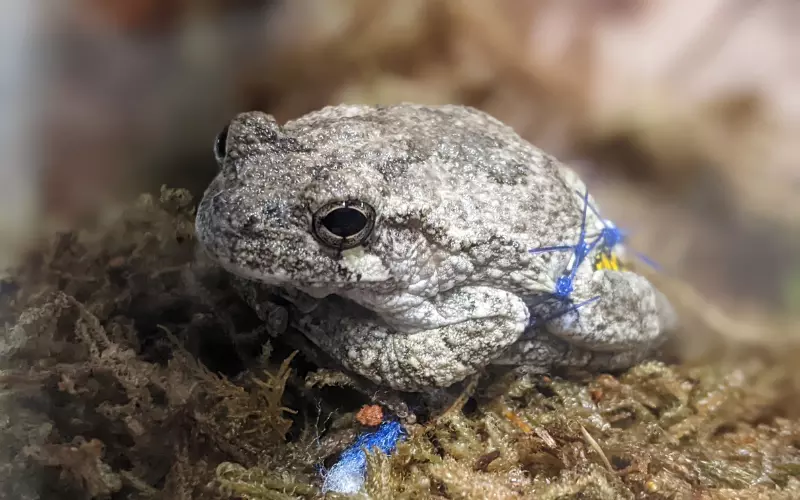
<point>131,370</point>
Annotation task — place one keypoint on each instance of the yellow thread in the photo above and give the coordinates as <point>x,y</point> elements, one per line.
<point>607,260</point>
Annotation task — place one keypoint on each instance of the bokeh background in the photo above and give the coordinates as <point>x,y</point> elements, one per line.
<point>683,116</point>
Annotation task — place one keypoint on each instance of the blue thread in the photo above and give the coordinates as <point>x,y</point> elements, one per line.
<point>647,260</point>
<point>550,249</point>
<point>570,308</point>
<point>564,283</point>
<point>610,236</point>
<point>564,288</point>
<point>613,236</point>
<point>348,474</point>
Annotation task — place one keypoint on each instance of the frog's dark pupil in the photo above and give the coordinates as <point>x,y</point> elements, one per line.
<point>345,222</point>
<point>220,142</point>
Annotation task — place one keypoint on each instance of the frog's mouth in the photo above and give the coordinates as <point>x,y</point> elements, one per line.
<point>364,271</point>
<point>250,274</point>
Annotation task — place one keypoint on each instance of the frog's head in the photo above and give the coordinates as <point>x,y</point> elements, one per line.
<point>288,207</point>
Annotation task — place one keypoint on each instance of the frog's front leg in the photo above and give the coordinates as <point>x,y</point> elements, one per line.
<point>463,331</point>
<point>612,311</point>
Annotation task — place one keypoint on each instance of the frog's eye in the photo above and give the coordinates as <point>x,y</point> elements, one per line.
<point>220,145</point>
<point>343,225</point>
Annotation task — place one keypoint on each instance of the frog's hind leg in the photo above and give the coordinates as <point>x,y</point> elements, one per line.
<point>465,330</point>
<point>539,352</point>
<point>603,307</point>
<point>620,311</point>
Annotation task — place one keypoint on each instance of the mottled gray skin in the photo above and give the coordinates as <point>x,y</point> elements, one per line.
<point>445,285</point>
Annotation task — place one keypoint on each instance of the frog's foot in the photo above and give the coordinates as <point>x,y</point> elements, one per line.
<point>465,329</point>
<point>618,312</point>
<point>539,352</point>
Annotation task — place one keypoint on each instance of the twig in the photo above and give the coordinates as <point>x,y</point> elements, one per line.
<point>596,447</point>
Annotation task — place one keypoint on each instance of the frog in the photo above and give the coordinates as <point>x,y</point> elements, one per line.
<point>419,245</point>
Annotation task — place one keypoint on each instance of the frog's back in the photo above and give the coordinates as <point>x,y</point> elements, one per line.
<point>469,174</point>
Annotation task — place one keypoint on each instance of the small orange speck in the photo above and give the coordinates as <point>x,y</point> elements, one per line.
<point>370,415</point>
<point>516,420</point>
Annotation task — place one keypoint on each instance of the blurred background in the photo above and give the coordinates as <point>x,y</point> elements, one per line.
<point>682,116</point>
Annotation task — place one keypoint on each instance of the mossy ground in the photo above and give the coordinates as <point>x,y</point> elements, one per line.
<point>131,371</point>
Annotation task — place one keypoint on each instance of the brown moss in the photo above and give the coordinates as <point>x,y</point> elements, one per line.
<point>131,371</point>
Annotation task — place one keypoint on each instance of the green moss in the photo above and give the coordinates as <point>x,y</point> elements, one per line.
<point>131,371</point>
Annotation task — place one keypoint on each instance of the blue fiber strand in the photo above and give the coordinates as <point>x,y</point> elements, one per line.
<point>647,260</point>
<point>349,473</point>
<point>561,248</point>
<point>563,287</point>
<point>558,314</point>
<point>612,236</point>
<point>609,237</point>
<point>564,283</point>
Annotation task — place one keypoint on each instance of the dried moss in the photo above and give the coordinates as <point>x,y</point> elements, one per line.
<point>131,371</point>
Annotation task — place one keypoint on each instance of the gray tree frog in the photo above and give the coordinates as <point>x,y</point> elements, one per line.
<point>417,245</point>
